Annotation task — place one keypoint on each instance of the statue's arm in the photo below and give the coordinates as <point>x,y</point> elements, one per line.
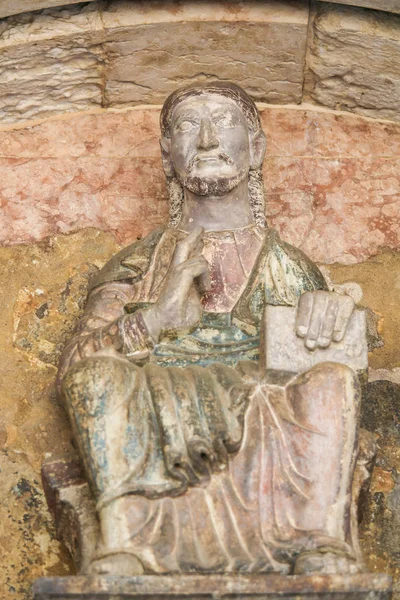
<point>106,325</point>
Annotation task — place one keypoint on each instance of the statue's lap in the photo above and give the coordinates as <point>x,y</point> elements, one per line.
<point>240,475</point>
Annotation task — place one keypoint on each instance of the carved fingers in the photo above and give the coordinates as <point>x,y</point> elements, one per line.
<point>193,268</point>
<point>186,251</point>
<point>322,317</point>
<point>192,244</point>
<point>178,306</point>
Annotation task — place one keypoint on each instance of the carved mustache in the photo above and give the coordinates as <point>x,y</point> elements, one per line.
<point>221,156</point>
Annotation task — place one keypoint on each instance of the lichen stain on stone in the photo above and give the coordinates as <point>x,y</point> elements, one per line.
<point>382,481</point>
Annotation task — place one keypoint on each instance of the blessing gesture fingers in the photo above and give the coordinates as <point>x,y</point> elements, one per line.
<point>323,317</point>
<point>178,307</point>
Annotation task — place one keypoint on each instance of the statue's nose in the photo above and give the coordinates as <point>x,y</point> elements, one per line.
<point>207,136</point>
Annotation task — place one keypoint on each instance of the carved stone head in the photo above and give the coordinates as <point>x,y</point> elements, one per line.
<point>211,140</point>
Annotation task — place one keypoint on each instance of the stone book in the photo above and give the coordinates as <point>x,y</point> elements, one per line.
<point>283,350</point>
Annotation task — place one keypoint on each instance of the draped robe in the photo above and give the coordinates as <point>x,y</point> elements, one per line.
<point>218,469</point>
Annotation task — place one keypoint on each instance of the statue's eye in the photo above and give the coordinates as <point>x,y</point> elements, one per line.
<point>224,120</point>
<point>185,125</point>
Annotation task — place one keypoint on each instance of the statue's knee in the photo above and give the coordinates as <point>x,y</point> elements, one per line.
<point>334,371</point>
<point>326,384</point>
<point>97,384</point>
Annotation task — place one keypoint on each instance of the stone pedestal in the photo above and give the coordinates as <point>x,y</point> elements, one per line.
<point>213,587</point>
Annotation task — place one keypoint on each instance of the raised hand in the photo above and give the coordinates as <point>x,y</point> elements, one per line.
<point>322,317</point>
<point>178,307</point>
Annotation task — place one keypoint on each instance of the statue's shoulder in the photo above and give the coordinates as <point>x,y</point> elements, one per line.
<point>281,274</point>
<point>131,263</point>
<point>289,263</point>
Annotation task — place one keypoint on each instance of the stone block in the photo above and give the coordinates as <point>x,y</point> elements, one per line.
<point>15,7</point>
<point>385,5</point>
<point>151,48</point>
<point>353,61</point>
<point>209,587</point>
<point>50,63</point>
<point>72,507</point>
<point>74,58</point>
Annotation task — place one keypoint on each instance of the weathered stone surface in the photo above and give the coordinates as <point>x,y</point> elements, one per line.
<point>379,280</point>
<point>72,507</point>
<point>284,351</point>
<point>50,62</point>
<point>207,587</point>
<point>331,180</point>
<point>72,504</point>
<point>354,61</point>
<point>150,52</point>
<point>385,5</point>
<point>381,526</point>
<point>81,57</point>
<point>380,410</point>
<point>123,52</point>
<point>15,7</point>
<point>334,208</point>
<point>42,289</point>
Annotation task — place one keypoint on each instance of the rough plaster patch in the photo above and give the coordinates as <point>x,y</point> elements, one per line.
<point>42,292</point>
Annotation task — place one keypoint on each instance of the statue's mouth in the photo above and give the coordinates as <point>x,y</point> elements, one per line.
<point>206,157</point>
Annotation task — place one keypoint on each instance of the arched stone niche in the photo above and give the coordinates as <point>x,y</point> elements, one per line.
<point>132,52</point>
<point>127,53</point>
<point>80,175</point>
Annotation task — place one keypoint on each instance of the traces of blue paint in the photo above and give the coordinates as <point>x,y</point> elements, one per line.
<point>216,339</point>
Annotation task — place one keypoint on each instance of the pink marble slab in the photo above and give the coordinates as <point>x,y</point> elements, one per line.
<point>332,180</point>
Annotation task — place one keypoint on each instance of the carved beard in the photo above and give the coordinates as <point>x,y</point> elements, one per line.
<point>203,186</point>
<point>212,187</point>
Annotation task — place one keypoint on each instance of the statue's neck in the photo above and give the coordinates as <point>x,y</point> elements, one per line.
<point>217,213</point>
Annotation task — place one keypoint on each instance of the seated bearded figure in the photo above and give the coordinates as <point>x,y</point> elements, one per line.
<point>200,460</point>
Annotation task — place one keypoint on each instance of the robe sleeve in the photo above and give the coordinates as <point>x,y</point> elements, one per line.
<point>290,273</point>
<point>105,324</point>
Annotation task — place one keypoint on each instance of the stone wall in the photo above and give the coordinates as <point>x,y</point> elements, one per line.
<point>331,180</point>
<point>128,52</point>
<point>80,176</point>
<point>353,61</point>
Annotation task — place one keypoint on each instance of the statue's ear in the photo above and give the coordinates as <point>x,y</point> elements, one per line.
<point>165,145</point>
<point>258,146</point>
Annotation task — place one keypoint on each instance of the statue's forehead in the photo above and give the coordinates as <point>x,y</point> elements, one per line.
<point>206,103</point>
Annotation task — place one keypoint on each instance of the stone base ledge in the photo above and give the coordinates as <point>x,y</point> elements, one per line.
<point>215,587</point>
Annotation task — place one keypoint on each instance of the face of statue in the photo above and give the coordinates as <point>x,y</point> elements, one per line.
<point>211,148</point>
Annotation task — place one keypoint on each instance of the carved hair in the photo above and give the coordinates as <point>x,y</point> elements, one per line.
<point>249,109</point>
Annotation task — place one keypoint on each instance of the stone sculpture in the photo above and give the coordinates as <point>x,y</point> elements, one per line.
<point>200,457</point>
